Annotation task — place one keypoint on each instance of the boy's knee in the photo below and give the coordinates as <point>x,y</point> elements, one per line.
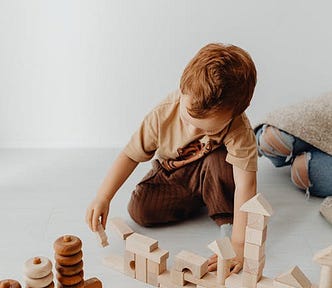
<point>274,142</point>
<point>300,171</point>
<point>139,215</point>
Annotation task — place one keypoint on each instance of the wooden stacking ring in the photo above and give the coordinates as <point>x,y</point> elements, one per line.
<point>69,260</point>
<point>9,283</point>
<point>79,285</point>
<point>41,282</point>
<point>67,245</point>
<point>69,270</point>
<point>37,267</point>
<point>70,280</point>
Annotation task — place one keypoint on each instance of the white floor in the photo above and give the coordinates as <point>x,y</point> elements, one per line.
<point>44,194</point>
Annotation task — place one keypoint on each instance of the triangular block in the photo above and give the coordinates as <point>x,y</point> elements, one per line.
<point>223,248</point>
<point>324,257</point>
<point>258,205</point>
<point>294,278</point>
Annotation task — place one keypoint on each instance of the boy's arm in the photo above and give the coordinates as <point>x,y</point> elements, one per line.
<point>121,169</point>
<point>245,189</point>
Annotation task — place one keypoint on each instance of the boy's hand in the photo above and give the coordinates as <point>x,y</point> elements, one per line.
<point>236,264</point>
<point>98,208</point>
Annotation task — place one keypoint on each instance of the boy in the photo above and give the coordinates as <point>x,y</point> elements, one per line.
<point>205,147</point>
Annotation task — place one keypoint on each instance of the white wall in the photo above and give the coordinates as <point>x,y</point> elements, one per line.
<point>83,73</point>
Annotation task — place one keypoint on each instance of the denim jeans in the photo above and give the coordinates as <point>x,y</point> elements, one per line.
<point>319,163</point>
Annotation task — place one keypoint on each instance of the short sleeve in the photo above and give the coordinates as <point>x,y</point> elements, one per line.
<point>242,149</point>
<point>144,142</point>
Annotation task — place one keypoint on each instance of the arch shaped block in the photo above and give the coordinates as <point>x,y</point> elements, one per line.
<point>197,265</point>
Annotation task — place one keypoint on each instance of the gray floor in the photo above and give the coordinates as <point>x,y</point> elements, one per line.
<point>44,194</point>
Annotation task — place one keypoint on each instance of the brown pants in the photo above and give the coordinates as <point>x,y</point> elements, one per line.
<point>163,197</point>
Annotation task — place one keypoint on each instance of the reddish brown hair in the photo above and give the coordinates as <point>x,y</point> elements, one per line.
<point>219,77</point>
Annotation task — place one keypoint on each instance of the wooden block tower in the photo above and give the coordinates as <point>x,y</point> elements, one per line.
<point>224,250</point>
<point>324,258</point>
<point>38,273</point>
<point>143,259</point>
<point>259,211</point>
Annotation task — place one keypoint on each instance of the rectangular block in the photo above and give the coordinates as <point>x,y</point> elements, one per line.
<point>138,243</point>
<point>165,281</point>
<point>250,280</point>
<point>255,236</point>
<point>254,252</point>
<point>208,280</point>
<point>140,267</point>
<point>121,227</point>
<point>129,264</point>
<point>257,221</point>
<point>153,270</point>
<point>177,277</point>
<point>254,266</point>
<point>102,235</point>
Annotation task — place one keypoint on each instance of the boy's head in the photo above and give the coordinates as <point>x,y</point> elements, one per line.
<point>219,78</point>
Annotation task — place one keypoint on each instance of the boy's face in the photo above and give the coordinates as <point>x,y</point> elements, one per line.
<point>210,125</point>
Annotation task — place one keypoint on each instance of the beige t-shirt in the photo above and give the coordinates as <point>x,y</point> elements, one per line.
<point>163,133</point>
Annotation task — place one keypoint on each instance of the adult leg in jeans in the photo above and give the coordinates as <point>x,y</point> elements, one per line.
<point>312,172</point>
<point>311,168</point>
<point>164,197</point>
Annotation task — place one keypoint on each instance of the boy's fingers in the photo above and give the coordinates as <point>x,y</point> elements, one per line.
<point>104,220</point>
<point>212,267</point>
<point>88,217</point>
<point>237,268</point>
<point>95,220</point>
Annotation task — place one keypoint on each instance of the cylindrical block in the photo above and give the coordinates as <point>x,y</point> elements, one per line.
<point>325,277</point>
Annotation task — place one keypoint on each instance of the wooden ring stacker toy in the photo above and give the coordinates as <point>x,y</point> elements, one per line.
<point>49,286</point>
<point>69,270</point>
<point>70,280</point>
<point>69,260</point>
<point>79,285</point>
<point>67,245</point>
<point>37,267</point>
<point>42,282</point>
<point>9,283</point>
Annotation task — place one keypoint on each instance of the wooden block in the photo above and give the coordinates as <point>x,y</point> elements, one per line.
<point>140,267</point>
<point>153,270</point>
<point>102,235</point>
<point>138,243</point>
<point>250,280</point>
<point>223,270</point>
<point>121,227</point>
<point>254,252</point>
<point>325,277</point>
<point>93,283</point>
<point>177,277</point>
<point>265,282</point>
<point>165,281</point>
<point>158,255</point>
<point>258,205</point>
<point>129,264</point>
<point>208,280</point>
<point>255,236</point>
<point>198,265</point>
<point>294,278</point>
<point>257,221</point>
<point>324,257</point>
<point>157,268</point>
<point>254,266</point>
<point>223,248</point>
